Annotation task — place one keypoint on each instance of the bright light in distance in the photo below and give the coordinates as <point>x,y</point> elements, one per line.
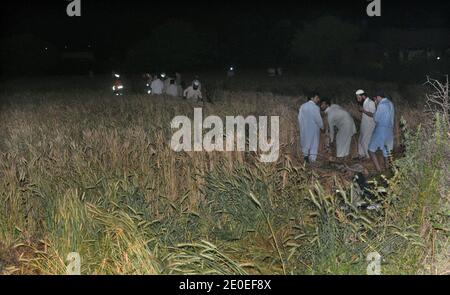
<point>438,58</point>
<point>120,87</point>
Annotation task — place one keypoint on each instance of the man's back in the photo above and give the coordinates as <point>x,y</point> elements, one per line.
<point>190,92</point>
<point>157,86</point>
<point>309,114</point>
<point>384,116</point>
<point>339,117</point>
<point>310,123</point>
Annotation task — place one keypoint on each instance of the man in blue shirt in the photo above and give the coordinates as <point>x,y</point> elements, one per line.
<point>383,135</point>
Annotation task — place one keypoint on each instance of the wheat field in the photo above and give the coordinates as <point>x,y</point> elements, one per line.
<point>84,171</point>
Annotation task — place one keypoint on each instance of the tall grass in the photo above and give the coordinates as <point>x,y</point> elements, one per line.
<point>94,174</point>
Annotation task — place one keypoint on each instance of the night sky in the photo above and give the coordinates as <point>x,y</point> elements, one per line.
<point>237,31</point>
<point>102,21</point>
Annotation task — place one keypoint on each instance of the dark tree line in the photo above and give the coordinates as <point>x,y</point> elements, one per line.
<point>326,44</point>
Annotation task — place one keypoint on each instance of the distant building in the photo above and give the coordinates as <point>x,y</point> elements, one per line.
<point>416,45</point>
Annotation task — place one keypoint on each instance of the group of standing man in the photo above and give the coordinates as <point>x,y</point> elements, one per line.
<point>376,130</point>
<point>172,86</point>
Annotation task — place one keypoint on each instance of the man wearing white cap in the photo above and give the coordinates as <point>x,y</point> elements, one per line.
<point>367,123</point>
<point>193,92</point>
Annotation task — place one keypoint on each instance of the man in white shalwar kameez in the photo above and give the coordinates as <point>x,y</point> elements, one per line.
<point>157,86</point>
<point>367,123</point>
<point>197,80</point>
<point>172,89</point>
<point>339,119</point>
<point>310,123</point>
<point>166,80</point>
<point>193,93</point>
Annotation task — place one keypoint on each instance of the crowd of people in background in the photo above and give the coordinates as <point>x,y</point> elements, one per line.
<point>163,85</point>
<point>376,130</point>
<point>172,86</point>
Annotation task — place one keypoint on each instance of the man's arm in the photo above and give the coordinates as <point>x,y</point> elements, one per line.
<point>371,109</point>
<point>318,118</point>
<point>368,113</point>
<point>331,129</point>
<point>379,113</point>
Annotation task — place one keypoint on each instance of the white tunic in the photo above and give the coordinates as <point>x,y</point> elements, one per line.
<point>310,123</point>
<point>367,127</point>
<point>343,121</point>
<point>172,90</point>
<point>157,87</point>
<point>192,94</point>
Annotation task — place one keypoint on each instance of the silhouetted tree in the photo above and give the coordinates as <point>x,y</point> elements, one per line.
<point>279,41</point>
<point>324,41</point>
<point>172,46</point>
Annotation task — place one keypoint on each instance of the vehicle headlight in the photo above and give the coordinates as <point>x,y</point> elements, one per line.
<point>120,87</point>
